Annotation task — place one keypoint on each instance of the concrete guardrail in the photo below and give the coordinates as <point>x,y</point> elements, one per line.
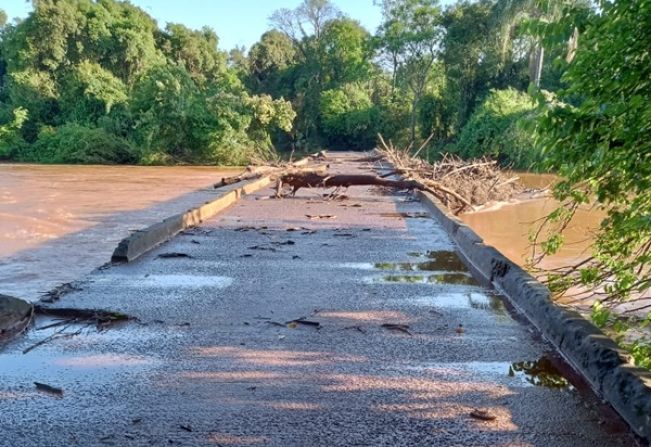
<point>596,356</point>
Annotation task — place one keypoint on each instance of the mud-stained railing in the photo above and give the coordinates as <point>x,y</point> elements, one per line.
<point>144,240</point>
<point>141,241</point>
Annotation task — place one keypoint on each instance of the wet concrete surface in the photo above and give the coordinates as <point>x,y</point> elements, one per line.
<point>217,356</point>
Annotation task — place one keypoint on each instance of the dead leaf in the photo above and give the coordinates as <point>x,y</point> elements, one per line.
<point>483,415</point>
<point>320,216</point>
<point>397,327</point>
<point>174,254</point>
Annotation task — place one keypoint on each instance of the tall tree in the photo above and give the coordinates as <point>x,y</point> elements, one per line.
<point>412,34</point>
<point>305,26</point>
<point>269,59</point>
<point>196,51</point>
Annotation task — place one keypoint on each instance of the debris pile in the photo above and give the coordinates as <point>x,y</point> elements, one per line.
<point>459,184</point>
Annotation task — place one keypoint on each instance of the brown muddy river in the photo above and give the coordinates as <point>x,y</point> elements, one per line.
<point>59,222</point>
<point>509,226</point>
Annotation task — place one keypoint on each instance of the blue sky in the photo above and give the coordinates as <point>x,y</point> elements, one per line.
<point>237,22</point>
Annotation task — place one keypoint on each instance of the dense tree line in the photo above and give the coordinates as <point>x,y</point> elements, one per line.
<point>86,81</point>
<point>98,81</point>
<point>459,74</point>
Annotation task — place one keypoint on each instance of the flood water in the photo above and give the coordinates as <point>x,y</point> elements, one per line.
<point>59,222</point>
<point>509,226</point>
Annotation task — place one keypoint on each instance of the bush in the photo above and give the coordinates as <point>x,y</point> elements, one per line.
<point>349,118</point>
<point>11,141</point>
<point>73,143</point>
<point>497,129</point>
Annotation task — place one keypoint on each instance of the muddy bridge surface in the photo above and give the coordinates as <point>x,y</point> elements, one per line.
<point>303,321</point>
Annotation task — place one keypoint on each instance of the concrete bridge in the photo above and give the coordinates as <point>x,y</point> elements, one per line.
<point>305,321</point>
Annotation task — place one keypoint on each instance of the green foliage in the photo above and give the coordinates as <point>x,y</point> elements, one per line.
<point>347,52</point>
<point>97,69</point>
<point>411,36</point>
<point>10,140</point>
<point>349,117</point>
<point>595,135</point>
<point>640,350</point>
<point>90,92</point>
<point>196,51</point>
<point>172,114</point>
<point>73,143</point>
<point>269,63</point>
<point>496,129</point>
<point>600,315</point>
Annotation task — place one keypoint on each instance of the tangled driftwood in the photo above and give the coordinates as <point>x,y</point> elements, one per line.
<point>458,184</point>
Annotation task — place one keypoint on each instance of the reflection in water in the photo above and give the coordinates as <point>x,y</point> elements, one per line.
<point>444,278</point>
<point>79,213</point>
<point>437,261</point>
<point>485,302</point>
<point>456,300</point>
<point>541,372</point>
<point>171,281</point>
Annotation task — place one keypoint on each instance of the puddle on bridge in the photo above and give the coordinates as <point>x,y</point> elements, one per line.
<point>441,264</point>
<point>442,259</point>
<point>541,372</point>
<point>447,262</point>
<point>64,353</point>
<point>538,373</point>
<point>472,300</point>
<point>457,278</point>
<point>55,351</point>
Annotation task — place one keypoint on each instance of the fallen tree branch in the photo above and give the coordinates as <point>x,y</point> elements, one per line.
<point>317,180</point>
<point>252,172</point>
<point>299,180</point>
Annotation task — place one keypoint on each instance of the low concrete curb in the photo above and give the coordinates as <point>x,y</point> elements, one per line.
<point>584,346</point>
<point>144,240</point>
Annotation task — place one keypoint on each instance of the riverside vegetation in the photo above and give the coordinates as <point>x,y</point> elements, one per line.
<point>549,85</point>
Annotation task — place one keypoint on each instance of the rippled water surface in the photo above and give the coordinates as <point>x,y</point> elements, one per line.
<point>508,227</point>
<point>59,222</point>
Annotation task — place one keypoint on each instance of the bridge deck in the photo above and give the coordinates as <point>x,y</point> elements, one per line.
<point>214,361</point>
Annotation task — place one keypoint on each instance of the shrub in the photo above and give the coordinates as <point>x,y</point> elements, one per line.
<point>73,143</point>
<point>497,129</point>
<point>11,141</point>
<point>349,118</point>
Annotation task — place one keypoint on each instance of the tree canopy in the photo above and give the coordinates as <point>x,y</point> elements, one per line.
<point>103,69</point>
